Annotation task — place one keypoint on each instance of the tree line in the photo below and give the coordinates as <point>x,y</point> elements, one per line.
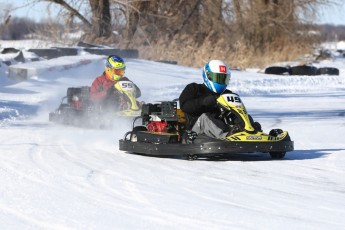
<point>194,30</point>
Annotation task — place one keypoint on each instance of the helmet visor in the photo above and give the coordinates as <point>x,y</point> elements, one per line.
<point>114,74</point>
<point>220,78</point>
<point>119,72</point>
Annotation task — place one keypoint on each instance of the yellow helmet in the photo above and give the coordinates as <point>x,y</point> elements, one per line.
<point>115,68</point>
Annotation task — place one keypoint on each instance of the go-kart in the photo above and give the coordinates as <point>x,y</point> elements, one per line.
<point>163,133</point>
<point>77,109</point>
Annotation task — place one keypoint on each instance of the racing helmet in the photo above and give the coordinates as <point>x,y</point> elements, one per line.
<point>216,76</point>
<point>115,68</point>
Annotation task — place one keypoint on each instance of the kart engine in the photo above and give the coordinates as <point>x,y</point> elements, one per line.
<point>157,126</point>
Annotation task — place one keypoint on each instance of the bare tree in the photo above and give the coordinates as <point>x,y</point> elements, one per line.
<point>100,25</point>
<point>222,26</point>
<point>5,18</point>
<point>158,19</point>
<point>101,19</point>
<point>212,9</point>
<point>141,14</point>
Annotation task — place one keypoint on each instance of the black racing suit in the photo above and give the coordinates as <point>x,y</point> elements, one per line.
<point>192,103</point>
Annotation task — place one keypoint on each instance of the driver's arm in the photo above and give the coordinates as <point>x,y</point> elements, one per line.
<point>193,103</point>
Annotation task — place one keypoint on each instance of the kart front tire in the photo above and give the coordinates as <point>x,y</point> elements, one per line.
<point>277,155</point>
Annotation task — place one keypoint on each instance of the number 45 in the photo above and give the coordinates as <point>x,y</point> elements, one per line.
<point>233,99</point>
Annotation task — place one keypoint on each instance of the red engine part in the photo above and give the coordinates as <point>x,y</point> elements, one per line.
<point>157,126</point>
<point>76,102</point>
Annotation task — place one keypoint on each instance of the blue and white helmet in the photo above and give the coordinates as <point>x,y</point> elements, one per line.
<point>216,76</point>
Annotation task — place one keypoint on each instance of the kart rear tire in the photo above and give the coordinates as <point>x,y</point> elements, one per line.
<point>133,136</point>
<point>192,157</point>
<point>52,117</point>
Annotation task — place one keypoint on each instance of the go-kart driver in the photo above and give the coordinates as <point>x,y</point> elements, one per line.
<point>199,102</point>
<point>102,90</point>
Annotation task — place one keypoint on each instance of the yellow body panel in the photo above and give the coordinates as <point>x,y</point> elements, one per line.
<point>258,137</point>
<point>128,88</point>
<point>181,117</point>
<point>233,102</point>
<point>129,113</point>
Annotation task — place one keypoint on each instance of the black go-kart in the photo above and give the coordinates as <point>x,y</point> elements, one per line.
<point>77,109</point>
<point>163,133</point>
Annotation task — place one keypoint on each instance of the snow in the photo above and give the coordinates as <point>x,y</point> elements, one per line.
<point>27,43</point>
<point>59,177</point>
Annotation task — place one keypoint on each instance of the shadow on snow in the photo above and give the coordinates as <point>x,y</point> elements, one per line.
<point>290,156</point>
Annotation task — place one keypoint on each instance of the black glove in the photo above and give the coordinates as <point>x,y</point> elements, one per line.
<point>210,101</point>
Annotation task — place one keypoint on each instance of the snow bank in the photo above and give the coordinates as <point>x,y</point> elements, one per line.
<point>33,69</point>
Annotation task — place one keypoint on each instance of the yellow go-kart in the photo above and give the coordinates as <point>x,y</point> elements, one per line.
<point>76,108</point>
<point>163,133</point>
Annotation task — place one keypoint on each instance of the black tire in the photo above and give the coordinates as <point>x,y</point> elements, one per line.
<point>303,70</point>
<point>327,71</point>
<point>276,155</point>
<point>275,132</point>
<point>58,114</point>
<point>133,136</point>
<point>52,117</point>
<point>278,70</point>
<point>192,157</point>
